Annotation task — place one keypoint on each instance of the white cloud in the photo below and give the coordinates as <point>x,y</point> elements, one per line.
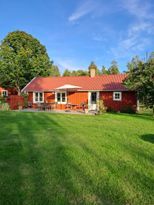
<point>65,63</point>
<point>139,8</point>
<point>137,37</point>
<point>99,38</point>
<point>87,7</point>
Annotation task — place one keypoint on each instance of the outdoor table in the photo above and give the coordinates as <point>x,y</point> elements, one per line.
<point>73,106</point>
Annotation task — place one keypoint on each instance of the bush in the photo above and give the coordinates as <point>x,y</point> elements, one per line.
<point>25,97</point>
<point>127,109</point>
<point>2,99</point>
<point>100,106</point>
<point>112,110</point>
<point>4,106</point>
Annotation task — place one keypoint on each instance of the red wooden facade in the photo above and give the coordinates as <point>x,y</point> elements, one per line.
<point>15,102</point>
<point>89,89</point>
<point>129,99</point>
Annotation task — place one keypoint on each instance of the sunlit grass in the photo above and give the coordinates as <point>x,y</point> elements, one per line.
<point>71,159</point>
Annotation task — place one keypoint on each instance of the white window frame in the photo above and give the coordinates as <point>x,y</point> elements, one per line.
<point>34,97</point>
<point>6,93</point>
<point>114,96</point>
<point>60,102</point>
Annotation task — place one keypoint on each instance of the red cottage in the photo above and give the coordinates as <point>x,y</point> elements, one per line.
<point>62,92</point>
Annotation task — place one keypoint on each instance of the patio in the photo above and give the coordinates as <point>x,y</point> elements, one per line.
<point>77,112</point>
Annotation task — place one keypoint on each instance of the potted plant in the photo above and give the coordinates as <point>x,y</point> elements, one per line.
<point>84,107</point>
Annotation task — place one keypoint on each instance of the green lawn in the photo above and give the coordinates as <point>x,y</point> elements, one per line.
<point>61,159</point>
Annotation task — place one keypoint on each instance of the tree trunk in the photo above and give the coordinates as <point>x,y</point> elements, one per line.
<point>19,93</point>
<point>153,111</point>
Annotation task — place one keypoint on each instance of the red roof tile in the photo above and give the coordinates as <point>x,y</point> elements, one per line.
<point>104,82</point>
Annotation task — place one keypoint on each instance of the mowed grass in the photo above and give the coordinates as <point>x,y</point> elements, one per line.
<point>62,159</point>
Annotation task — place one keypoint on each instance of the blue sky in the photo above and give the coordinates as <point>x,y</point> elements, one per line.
<point>76,32</point>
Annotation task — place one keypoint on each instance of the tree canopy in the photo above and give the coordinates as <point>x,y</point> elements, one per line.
<point>141,78</point>
<point>104,70</point>
<point>54,71</point>
<point>113,68</point>
<point>75,73</point>
<point>22,57</point>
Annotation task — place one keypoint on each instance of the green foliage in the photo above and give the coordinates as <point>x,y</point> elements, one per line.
<point>141,78</point>
<point>127,109</point>
<point>54,71</point>
<point>2,99</point>
<point>114,68</point>
<point>25,96</point>
<point>22,58</point>
<point>3,105</point>
<point>75,73</point>
<point>100,106</point>
<point>110,109</point>
<point>104,70</point>
<point>67,73</point>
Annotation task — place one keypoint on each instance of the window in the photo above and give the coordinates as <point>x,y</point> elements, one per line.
<point>4,93</point>
<point>61,98</point>
<point>117,96</point>
<point>93,97</point>
<point>58,97</point>
<point>38,97</point>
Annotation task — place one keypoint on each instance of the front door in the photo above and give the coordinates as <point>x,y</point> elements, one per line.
<point>93,97</point>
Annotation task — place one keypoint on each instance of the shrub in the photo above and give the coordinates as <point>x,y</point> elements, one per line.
<point>2,99</point>
<point>100,106</point>
<point>112,110</point>
<point>4,106</point>
<point>127,109</point>
<point>25,97</point>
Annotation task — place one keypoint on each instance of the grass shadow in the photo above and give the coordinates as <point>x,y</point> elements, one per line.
<point>148,138</point>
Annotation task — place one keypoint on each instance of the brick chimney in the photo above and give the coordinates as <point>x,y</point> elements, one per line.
<point>92,70</point>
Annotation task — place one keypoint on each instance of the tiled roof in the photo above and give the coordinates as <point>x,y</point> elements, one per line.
<point>103,82</point>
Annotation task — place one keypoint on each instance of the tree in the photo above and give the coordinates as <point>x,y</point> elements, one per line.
<point>114,68</point>
<point>141,78</point>
<point>134,63</point>
<point>67,73</point>
<point>22,58</point>
<point>75,73</point>
<point>54,71</point>
<point>104,70</point>
<point>81,73</point>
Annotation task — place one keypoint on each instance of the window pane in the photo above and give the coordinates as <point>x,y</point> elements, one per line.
<point>63,97</point>
<point>93,97</point>
<point>41,97</point>
<point>58,97</point>
<point>36,97</point>
<point>117,95</point>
